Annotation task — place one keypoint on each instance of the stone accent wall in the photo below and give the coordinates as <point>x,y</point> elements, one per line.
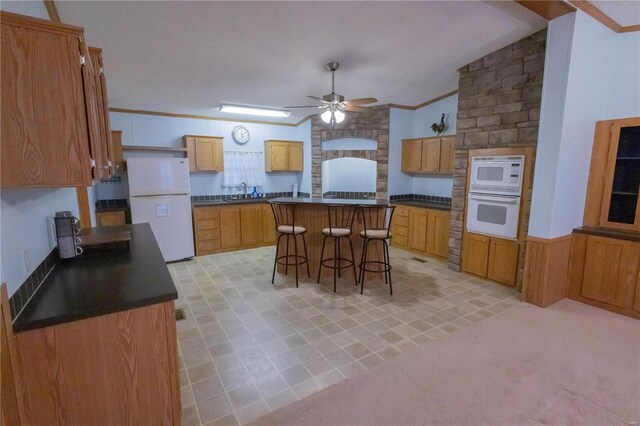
<point>498,107</point>
<point>342,153</point>
<point>373,124</point>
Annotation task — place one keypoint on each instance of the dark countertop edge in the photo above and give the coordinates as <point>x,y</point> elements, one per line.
<point>80,315</point>
<point>423,204</point>
<point>230,202</point>
<point>329,201</point>
<point>609,233</point>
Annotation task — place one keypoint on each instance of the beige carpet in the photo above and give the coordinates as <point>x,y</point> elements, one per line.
<point>570,363</point>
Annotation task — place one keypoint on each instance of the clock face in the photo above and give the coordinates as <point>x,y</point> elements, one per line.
<point>240,134</point>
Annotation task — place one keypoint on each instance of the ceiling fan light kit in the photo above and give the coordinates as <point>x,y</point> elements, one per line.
<point>261,112</point>
<point>334,104</point>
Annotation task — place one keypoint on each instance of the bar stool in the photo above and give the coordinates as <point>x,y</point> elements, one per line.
<point>284,214</point>
<point>376,221</point>
<point>340,226</point>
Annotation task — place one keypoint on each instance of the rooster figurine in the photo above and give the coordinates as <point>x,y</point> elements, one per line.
<point>439,128</point>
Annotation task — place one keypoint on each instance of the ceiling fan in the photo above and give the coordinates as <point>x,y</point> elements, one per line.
<point>335,104</point>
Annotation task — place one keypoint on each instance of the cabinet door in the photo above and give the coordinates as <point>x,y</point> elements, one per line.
<point>418,229</point>
<point>251,224</point>
<point>279,156</point>
<point>218,155</point>
<point>114,218</point>
<point>430,155</point>
<point>268,225</point>
<point>296,159</point>
<point>610,270</point>
<point>475,254</point>
<point>230,234</point>
<point>447,153</point>
<point>205,155</point>
<point>44,126</point>
<point>636,303</point>
<point>411,156</point>
<point>503,261</point>
<point>116,142</point>
<point>438,233</point>
<point>622,184</point>
<point>104,130</point>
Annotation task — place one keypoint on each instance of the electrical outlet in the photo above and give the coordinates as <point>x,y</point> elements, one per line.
<point>26,262</point>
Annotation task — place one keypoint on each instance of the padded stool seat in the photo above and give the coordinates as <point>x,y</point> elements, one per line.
<point>336,232</point>
<point>376,234</point>
<point>288,229</point>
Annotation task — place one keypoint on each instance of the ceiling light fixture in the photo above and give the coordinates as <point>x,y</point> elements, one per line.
<point>262,112</point>
<point>332,116</point>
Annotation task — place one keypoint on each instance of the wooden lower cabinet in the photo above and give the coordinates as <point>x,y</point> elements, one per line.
<point>490,257</point>
<point>604,273</point>
<point>113,369</point>
<point>111,218</point>
<point>230,236</point>
<point>227,228</point>
<point>422,230</point>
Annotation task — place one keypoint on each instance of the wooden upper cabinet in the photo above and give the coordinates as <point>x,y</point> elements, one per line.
<point>116,144</point>
<point>411,155</point>
<point>105,162</point>
<point>447,153</point>
<point>205,153</point>
<point>44,140</point>
<point>428,155</point>
<point>280,156</point>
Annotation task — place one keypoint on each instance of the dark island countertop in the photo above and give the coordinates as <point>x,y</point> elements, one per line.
<point>424,204</point>
<point>334,201</point>
<point>609,233</point>
<point>240,201</point>
<point>101,281</point>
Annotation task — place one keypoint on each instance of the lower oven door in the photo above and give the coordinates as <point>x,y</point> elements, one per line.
<point>493,215</point>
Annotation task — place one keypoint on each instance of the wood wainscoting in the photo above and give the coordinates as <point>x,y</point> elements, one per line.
<point>546,270</point>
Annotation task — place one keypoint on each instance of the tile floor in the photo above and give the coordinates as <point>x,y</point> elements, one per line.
<point>248,347</point>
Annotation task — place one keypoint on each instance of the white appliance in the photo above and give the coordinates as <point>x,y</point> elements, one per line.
<point>160,194</point>
<point>499,175</point>
<point>493,203</point>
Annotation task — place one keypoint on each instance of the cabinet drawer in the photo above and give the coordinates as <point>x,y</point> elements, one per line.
<point>400,230</point>
<point>399,240</point>
<point>401,220</point>
<point>207,213</point>
<point>209,234</point>
<point>208,245</point>
<point>401,211</point>
<point>208,224</point>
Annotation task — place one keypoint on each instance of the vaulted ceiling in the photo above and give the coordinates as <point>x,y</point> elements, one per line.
<point>189,57</point>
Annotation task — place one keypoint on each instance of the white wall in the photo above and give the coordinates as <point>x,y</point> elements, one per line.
<point>405,124</point>
<point>153,130</point>
<point>587,86</point>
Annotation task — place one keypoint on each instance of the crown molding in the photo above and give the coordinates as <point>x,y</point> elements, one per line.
<point>424,104</point>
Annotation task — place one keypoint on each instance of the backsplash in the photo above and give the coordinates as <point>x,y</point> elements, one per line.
<point>349,195</point>
<point>196,198</point>
<point>432,198</point>
<point>120,202</point>
<point>28,288</point>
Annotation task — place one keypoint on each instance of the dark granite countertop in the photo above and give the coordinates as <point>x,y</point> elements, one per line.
<point>609,233</point>
<point>206,203</point>
<point>102,281</point>
<point>325,201</point>
<point>424,204</point>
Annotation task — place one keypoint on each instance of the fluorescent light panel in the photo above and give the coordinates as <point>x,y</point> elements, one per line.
<point>263,112</point>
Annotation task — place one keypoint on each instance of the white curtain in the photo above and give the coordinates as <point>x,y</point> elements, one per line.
<point>247,167</point>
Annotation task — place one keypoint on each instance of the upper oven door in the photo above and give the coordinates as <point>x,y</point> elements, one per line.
<point>497,175</point>
<point>493,215</point>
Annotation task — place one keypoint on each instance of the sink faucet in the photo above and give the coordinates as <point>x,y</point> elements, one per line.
<point>243,186</point>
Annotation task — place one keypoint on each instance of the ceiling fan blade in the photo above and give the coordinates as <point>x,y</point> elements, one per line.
<point>360,101</point>
<point>356,108</point>
<point>305,106</point>
<point>317,99</point>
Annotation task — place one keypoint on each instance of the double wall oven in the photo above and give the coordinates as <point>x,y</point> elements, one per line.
<point>493,204</point>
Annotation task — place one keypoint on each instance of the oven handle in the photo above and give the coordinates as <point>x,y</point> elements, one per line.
<point>501,200</point>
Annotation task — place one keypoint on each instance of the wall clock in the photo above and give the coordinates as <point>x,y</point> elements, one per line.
<point>240,134</point>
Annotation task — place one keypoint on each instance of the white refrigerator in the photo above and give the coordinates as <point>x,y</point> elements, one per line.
<point>160,194</point>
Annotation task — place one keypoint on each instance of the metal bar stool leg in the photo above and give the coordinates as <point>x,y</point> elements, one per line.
<point>286,265</point>
<point>335,259</point>
<point>364,262</point>
<point>353,262</point>
<point>306,258</point>
<point>295,247</point>
<point>324,240</point>
<point>386,260</point>
<point>339,256</point>
<point>388,266</point>
<point>275,261</point>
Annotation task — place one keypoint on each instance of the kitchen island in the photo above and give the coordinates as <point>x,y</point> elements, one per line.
<point>311,213</point>
<point>96,344</point>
